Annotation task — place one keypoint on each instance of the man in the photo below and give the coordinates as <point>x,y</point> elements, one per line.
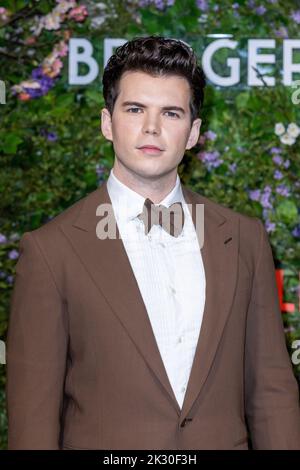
<point>149,339</point>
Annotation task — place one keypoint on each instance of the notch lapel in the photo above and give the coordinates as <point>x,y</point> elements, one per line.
<point>220,259</point>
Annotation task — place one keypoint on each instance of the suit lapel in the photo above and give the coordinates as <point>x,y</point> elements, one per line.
<point>220,259</point>
<point>107,263</point>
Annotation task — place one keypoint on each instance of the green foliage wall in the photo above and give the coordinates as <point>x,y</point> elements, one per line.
<point>52,152</point>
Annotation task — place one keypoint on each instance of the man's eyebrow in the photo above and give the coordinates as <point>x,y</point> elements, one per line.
<point>141,105</point>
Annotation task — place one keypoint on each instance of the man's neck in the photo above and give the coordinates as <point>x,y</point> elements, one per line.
<point>155,189</point>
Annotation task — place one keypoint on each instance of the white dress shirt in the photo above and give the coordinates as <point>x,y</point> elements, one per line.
<point>170,274</point>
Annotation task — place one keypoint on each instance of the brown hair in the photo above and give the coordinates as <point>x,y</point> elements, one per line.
<point>155,55</point>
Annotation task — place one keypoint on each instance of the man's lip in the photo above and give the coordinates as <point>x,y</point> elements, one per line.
<point>150,147</point>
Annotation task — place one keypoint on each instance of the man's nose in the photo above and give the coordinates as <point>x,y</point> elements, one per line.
<point>151,125</point>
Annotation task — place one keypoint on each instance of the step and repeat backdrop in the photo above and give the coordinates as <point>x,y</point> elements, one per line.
<point>52,152</point>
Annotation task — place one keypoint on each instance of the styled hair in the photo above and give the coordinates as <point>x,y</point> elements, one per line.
<point>157,56</point>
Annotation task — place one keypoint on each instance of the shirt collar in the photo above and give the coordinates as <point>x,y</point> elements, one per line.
<point>128,204</point>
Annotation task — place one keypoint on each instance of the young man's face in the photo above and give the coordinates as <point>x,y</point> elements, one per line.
<point>144,122</point>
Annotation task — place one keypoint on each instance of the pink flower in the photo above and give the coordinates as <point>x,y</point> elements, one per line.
<point>52,20</point>
<point>78,13</point>
<point>52,69</point>
<point>4,14</point>
<point>62,49</point>
<point>24,96</point>
<point>30,40</point>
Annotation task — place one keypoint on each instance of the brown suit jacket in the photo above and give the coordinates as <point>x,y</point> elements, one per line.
<point>83,367</point>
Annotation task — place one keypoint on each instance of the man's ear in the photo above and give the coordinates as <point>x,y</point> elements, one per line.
<point>106,125</point>
<point>194,133</point>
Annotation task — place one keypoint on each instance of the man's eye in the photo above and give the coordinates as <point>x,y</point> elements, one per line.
<point>132,108</point>
<point>136,108</point>
<point>174,114</point>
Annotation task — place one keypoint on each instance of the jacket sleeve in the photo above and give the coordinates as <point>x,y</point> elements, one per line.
<point>271,389</point>
<point>36,349</point>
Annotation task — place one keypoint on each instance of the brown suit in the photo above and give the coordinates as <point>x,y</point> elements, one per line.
<point>83,367</point>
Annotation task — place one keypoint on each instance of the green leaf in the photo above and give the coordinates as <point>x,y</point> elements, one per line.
<point>90,178</point>
<point>242,100</point>
<point>287,212</point>
<point>94,95</point>
<point>10,143</point>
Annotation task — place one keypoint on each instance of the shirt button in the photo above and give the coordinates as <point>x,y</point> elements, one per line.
<point>163,245</point>
<point>182,389</point>
<point>173,290</point>
<point>179,339</point>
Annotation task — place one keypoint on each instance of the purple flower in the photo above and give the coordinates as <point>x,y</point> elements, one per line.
<point>275,150</point>
<point>37,73</point>
<point>13,254</point>
<point>159,4</point>
<point>3,239</point>
<point>235,6</point>
<point>270,226</point>
<point>265,197</point>
<point>296,16</point>
<point>2,274</point>
<point>296,231</point>
<point>210,135</point>
<point>281,32</point>
<point>232,167</point>
<point>283,190</point>
<point>261,10</point>
<point>254,194</point>
<point>251,3</point>
<point>278,175</point>
<point>277,159</point>
<point>265,213</point>
<point>210,159</point>
<point>45,83</point>
<point>295,289</point>
<point>289,329</point>
<point>286,164</point>
<point>52,136</point>
<point>100,169</point>
<point>202,5</point>
<point>10,279</point>
<point>100,172</point>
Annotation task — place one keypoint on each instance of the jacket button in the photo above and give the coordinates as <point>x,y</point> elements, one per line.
<point>185,421</point>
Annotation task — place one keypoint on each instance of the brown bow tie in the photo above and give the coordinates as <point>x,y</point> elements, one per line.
<point>170,218</point>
